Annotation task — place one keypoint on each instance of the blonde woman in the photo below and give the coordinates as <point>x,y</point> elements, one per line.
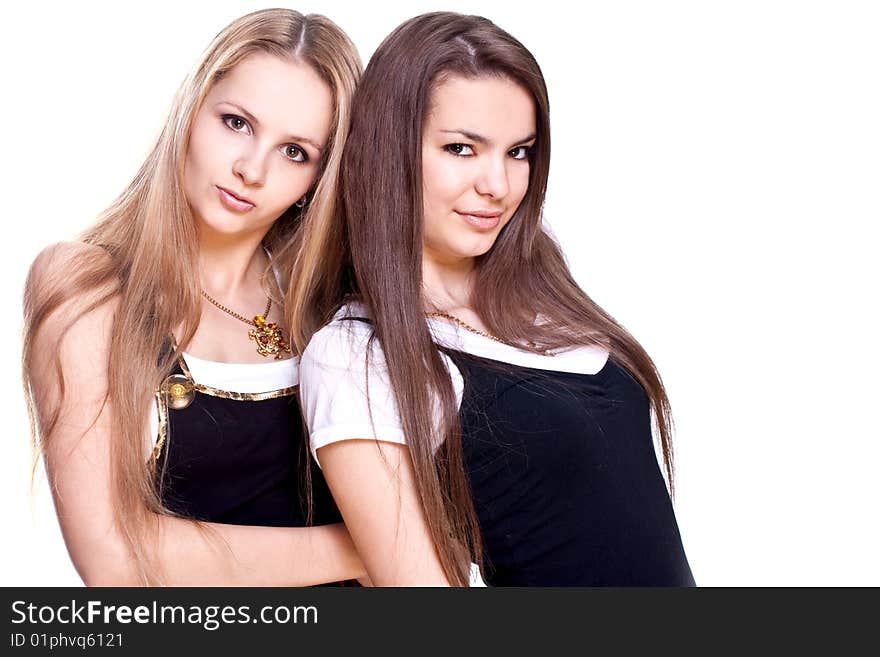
<point>157,360</point>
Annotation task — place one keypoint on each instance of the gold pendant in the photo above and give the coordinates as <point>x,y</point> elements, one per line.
<point>269,338</point>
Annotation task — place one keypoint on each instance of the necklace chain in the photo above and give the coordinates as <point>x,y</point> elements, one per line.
<point>235,314</point>
<point>268,335</point>
<point>463,324</point>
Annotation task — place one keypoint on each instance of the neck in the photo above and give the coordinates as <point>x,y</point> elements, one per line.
<point>229,266</point>
<point>446,284</point>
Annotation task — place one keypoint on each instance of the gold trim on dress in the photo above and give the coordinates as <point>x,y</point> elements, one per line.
<point>162,411</point>
<point>244,396</point>
<point>185,369</point>
<point>230,394</point>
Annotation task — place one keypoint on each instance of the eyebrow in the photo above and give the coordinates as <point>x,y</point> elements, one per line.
<point>253,119</point>
<point>480,139</point>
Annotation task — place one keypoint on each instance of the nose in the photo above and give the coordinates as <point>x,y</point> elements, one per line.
<point>250,167</point>
<point>493,180</point>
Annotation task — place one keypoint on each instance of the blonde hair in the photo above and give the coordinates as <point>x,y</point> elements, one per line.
<point>148,255</point>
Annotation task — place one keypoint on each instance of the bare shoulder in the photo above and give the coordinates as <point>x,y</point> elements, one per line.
<point>64,259</point>
<point>70,295</point>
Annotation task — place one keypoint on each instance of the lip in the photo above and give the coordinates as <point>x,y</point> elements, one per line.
<point>481,219</point>
<point>233,201</point>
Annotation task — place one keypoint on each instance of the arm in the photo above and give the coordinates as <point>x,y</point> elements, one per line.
<point>372,483</point>
<point>78,465</point>
<point>371,480</point>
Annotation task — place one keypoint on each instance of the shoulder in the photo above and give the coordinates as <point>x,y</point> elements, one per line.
<point>70,273</point>
<point>71,293</point>
<point>344,356</point>
<point>63,258</point>
<point>346,343</point>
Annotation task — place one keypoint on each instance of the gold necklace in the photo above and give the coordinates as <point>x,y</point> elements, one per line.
<point>268,336</point>
<point>531,346</point>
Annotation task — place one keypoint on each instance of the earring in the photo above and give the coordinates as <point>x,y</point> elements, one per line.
<point>300,203</point>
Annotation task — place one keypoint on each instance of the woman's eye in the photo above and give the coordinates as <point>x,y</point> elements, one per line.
<point>236,123</point>
<point>459,149</point>
<point>295,153</point>
<point>520,152</point>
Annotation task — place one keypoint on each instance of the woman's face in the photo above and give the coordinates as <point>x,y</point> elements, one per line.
<point>475,164</point>
<point>256,144</point>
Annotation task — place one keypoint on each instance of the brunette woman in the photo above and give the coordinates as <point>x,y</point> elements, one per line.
<point>468,401</point>
<point>157,358</point>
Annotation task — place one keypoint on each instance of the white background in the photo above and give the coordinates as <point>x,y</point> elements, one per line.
<point>714,185</point>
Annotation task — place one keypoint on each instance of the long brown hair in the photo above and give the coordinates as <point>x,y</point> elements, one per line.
<point>148,255</point>
<point>523,276</point>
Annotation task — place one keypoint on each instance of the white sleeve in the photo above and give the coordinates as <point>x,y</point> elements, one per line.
<point>345,392</point>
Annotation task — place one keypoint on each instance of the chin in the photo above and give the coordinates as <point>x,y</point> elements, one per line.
<point>478,247</point>
<point>225,225</point>
<point>461,248</point>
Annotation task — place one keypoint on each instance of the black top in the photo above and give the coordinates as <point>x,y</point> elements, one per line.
<point>240,461</point>
<point>565,479</point>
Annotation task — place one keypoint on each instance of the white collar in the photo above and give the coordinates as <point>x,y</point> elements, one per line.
<point>244,377</point>
<point>587,359</point>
